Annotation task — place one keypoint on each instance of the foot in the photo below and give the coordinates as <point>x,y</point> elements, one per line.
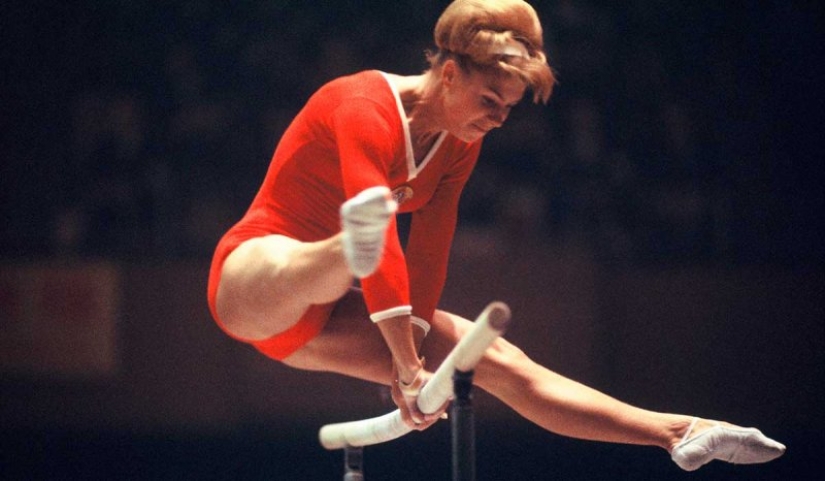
<point>726,443</point>
<point>364,220</point>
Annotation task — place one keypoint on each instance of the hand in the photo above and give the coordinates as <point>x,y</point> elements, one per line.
<point>406,398</point>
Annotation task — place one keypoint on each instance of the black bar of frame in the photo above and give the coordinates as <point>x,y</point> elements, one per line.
<point>463,427</point>
<point>353,463</point>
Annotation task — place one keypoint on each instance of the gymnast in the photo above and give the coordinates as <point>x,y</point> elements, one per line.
<point>373,144</point>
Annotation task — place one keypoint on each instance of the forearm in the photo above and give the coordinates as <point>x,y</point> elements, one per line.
<point>403,341</point>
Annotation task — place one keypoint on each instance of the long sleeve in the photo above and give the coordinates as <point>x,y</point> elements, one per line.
<point>431,236</point>
<point>367,138</point>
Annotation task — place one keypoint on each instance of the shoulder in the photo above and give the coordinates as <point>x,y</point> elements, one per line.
<point>366,91</point>
<point>369,84</point>
<point>361,101</point>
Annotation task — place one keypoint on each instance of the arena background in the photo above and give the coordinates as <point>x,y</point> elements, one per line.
<point>657,231</point>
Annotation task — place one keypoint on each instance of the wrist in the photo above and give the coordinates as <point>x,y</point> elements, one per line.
<point>413,387</point>
<point>409,372</point>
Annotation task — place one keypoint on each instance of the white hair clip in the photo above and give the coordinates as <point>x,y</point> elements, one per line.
<point>513,48</point>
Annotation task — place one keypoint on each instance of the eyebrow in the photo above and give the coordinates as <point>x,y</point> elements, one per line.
<point>493,89</point>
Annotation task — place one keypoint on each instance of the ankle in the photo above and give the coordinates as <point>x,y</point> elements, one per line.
<point>682,429</point>
<point>695,427</point>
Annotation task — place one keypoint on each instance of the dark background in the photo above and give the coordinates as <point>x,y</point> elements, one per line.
<point>683,142</point>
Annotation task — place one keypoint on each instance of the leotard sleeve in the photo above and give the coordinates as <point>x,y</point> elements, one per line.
<point>431,236</point>
<point>368,138</point>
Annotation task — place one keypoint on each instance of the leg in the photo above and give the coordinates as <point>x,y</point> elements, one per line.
<point>350,345</point>
<point>268,282</point>
<point>569,408</point>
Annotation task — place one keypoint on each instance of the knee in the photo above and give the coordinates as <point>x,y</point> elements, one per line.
<point>504,364</point>
<point>228,307</point>
<point>244,290</point>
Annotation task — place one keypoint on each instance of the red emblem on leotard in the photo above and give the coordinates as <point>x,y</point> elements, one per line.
<point>402,194</point>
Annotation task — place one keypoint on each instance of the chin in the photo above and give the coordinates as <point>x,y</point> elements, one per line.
<point>471,135</point>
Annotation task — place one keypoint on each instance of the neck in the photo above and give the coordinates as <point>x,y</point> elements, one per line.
<point>419,96</point>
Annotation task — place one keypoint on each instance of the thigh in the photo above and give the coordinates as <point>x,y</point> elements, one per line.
<point>446,330</point>
<point>500,360</point>
<point>350,344</point>
<point>250,296</point>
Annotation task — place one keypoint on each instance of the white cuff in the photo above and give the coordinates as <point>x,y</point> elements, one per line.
<point>394,312</point>
<point>421,323</point>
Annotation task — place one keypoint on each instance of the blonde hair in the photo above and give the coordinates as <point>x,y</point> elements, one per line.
<point>498,34</point>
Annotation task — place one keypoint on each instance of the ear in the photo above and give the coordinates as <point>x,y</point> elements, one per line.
<point>449,73</point>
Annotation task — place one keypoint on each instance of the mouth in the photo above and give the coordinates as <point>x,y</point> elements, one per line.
<point>480,129</point>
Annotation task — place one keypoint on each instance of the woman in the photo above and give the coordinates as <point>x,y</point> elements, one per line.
<point>366,146</point>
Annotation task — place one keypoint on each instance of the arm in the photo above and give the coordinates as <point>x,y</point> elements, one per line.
<point>427,255</point>
<point>399,335</point>
<point>489,325</point>
<point>367,143</point>
<point>431,236</point>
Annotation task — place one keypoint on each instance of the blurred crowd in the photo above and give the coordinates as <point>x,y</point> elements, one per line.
<point>140,130</point>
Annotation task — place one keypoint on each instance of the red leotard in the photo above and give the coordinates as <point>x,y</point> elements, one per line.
<point>352,134</point>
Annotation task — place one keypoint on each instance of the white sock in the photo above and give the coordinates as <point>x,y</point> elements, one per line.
<point>734,445</point>
<point>364,220</point>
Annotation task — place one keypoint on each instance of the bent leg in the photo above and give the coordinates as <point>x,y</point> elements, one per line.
<point>350,344</point>
<point>268,282</point>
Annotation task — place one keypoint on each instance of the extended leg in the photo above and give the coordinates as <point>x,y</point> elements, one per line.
<point>569,408</point>
<point>350,345</point>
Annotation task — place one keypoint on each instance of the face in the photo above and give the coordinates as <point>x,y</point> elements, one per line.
<point>478,101</point>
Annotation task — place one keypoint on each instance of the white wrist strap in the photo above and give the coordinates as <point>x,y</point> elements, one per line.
<point>421,323</point>
<point>388,313</point>
<point>401,311</point>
